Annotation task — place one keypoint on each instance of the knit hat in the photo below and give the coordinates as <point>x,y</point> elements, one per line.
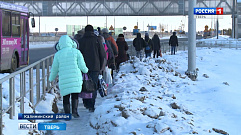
<point>89,28</point>
<point>105,30</point>
<point>98,28</point>
<point>120,35</point>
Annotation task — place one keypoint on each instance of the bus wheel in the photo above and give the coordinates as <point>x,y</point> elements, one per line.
<point>14,63</point>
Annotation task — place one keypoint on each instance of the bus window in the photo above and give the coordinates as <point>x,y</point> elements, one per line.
<point>6,25</point>
<point>15,25</point>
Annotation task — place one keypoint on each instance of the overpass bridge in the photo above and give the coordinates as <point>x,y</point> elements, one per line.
<point>117,7</point>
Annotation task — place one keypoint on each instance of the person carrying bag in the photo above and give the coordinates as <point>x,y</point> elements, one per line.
<point>69,64</point>
<point>89,85</point>
<point>94,54</point>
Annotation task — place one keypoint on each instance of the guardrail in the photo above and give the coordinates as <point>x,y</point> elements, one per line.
<point>39,85</point>
<point>220,43</point>
<point>183,45</point>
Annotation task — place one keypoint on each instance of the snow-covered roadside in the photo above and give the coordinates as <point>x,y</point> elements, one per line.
<point>156,97</point>
<point>213,99</point>
<point>45,106</point>
<point>10,126</point>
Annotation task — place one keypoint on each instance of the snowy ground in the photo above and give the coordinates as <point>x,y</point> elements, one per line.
<point>156,97</point>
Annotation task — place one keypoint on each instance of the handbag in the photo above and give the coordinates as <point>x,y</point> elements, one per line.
<point>89,85</point>
<point>160,53</point>
<point>102,86</point>
<point>85,95</point>
<point>107,75</point>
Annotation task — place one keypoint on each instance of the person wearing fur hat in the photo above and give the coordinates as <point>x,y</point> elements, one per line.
<point>94,55</point>
<point>69,64</point>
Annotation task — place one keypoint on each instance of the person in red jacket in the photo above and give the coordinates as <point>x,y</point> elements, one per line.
<point>108,37</point>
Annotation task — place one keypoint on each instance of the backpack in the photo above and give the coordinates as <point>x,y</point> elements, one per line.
<point>147,48</point>
<point>106,51</point>
<point>109,50</point>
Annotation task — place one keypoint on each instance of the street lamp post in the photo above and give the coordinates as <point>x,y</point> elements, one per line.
<point>191,72</point>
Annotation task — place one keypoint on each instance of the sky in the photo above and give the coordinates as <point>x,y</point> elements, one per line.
<point>209,104</point>
<point>48,24</point>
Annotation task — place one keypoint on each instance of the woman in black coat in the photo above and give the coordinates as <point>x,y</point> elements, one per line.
<point>156,45</point>
<point>122,47</point>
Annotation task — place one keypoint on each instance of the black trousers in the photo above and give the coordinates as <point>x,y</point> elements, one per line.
<point>156,53</point>
<point>74,103</point>
<point>74,96</point>
<point>90,103</point>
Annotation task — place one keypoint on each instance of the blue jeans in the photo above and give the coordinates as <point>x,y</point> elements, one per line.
<point>139,54</point>
<point>173,50</point>
<point>148,54</point>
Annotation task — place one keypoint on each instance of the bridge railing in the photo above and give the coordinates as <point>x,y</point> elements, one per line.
<point>33,85</point>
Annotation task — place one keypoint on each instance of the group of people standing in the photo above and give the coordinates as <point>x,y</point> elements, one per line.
<point>95,51</point>
<point>149,45</point>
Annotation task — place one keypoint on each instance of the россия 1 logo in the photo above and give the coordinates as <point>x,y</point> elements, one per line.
<point>208,11</point>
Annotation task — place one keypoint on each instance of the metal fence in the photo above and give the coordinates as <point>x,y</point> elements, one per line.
<point>38,86</point>
<point>220,43</point>
<point>183,45</point>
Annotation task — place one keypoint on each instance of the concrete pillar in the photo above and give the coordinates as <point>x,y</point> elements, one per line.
<point>191,72</point>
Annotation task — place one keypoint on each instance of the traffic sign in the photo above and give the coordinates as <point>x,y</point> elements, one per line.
<point>111,28</point>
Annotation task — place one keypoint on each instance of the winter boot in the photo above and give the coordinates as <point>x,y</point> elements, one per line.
<point>74,108</point>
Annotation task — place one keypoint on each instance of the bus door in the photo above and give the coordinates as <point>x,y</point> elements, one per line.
<point>0,40</point>
<point>24,40</point>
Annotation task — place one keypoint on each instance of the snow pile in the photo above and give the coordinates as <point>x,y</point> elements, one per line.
<point>143,103</point>
<point>156,97</point>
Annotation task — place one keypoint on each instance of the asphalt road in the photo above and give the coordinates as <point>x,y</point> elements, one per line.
<point>37,54</point>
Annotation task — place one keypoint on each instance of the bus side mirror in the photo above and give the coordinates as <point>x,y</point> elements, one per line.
<point>33,22</point>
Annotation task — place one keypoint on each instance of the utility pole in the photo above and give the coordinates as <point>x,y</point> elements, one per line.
<point>87,20</point>
<point>234,19</point>
<point>106,21</point>
<point>39,27</point>
<point>191,72</point>
<point>217,27</point>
